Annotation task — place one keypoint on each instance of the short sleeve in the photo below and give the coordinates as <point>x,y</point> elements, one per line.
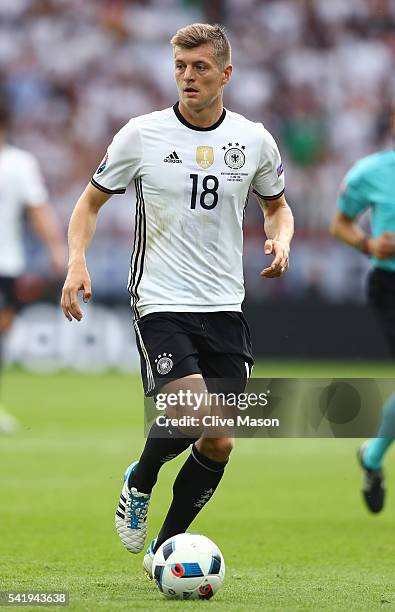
<point>33,190</point>
<point>268,182</point>
<point>121,163</point>
<point>353,198</point>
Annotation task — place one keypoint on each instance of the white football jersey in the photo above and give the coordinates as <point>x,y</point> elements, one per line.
<point>21,186</point>
<point>192,186</point>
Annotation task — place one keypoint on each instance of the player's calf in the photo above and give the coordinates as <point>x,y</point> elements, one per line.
<point>193,488</point>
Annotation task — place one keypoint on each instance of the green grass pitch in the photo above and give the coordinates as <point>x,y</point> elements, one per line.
<point>288,516</point>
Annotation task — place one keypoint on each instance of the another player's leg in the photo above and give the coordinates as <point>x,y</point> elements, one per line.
<point>8,423</point>
<point>381,298</point>
<point>371,455</point>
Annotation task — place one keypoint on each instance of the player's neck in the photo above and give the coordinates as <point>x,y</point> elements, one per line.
<point>205,117</point>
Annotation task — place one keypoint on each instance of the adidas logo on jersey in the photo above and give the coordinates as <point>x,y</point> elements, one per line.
<point>173,158</point>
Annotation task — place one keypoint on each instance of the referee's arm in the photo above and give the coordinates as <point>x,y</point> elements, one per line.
<point>81,230</point>
<point>348,230</point>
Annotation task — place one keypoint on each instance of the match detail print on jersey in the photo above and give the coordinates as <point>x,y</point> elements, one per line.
<point>191,185</point>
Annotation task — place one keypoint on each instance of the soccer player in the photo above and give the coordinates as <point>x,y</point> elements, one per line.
<point>370,185</point>
<point>21,190</point>
<point>193,165</point>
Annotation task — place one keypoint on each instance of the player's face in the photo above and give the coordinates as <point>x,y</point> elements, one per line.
<point>200,80</point>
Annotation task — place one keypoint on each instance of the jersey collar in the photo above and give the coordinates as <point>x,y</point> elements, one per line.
<point>195,127</point>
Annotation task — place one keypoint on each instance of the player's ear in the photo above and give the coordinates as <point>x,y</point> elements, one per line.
<point>227,73</point>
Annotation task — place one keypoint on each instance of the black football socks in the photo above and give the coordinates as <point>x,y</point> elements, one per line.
<point>192,489</point>
<point>157,451</point>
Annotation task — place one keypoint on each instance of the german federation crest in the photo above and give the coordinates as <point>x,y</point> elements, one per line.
<point>164,363</point>
<point>205,157</point>
<point>234,156</point>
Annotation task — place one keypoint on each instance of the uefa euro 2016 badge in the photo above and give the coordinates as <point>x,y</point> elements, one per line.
<point>164,363</point>
<point>103,164</point>
<point>234,155</point>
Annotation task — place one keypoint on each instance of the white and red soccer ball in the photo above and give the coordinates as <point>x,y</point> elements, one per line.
<point>188,566</point>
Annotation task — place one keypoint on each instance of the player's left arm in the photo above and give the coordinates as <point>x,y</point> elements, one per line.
<point>268,186</point>
<point>279,229</point>
<point>47,227</point>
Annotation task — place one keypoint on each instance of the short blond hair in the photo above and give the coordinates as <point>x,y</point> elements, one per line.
<point>198,34</point>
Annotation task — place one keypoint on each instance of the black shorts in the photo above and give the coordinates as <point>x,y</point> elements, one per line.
<point>8,294</point>
<point>216,345</point>
<point>381,298</point>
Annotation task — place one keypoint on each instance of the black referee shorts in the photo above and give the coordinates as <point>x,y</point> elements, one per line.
<point>381,298</point>
<point>216,345</point>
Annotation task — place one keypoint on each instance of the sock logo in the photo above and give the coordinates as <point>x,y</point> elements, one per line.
<point>203,499</point>
<point>164,363</point>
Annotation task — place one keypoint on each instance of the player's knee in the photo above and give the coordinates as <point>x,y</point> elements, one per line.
<point>217,449</point>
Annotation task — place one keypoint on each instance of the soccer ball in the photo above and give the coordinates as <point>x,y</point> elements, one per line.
<point>188,566</point>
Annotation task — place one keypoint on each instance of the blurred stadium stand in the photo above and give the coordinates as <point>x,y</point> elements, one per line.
<point>319,74</point>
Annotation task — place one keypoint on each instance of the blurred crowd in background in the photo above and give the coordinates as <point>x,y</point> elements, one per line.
<point>319,74</point>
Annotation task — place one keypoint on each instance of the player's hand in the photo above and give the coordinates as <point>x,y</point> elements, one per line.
<point>383,246</point>
<point>280,263</point>
<point>77,279</point>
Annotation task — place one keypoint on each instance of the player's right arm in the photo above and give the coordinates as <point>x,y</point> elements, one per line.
<point>81,230</point>
<point>120,165</point>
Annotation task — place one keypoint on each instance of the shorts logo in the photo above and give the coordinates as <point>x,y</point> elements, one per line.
<point>164,363</point>
<point>205,157</point>
<point>234,157</point>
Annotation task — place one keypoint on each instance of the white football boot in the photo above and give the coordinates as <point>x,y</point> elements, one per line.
<point>131,515</point>
<point>148,560</point>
